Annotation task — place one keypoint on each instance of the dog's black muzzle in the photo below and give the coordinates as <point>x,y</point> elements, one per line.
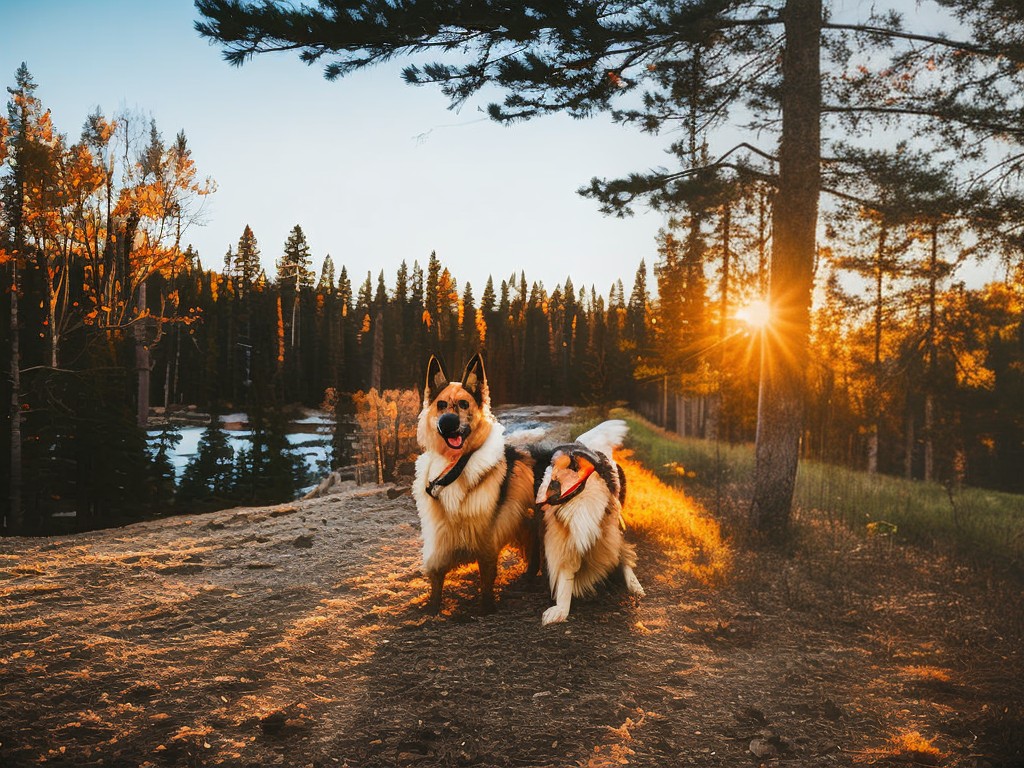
<point>448,425</point>
<point>452,430</point>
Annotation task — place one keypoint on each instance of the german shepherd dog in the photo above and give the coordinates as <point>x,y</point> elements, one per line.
<point>582,491</point>
<point>474,493</point>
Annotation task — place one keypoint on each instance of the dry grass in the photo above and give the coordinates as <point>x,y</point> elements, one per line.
<point>905,747</point>
<point>690,539</point>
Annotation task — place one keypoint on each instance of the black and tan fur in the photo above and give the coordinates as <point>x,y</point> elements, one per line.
<point>474,494</point>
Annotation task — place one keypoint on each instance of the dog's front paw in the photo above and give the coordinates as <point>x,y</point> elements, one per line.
<point>554,615</point>
<point>632,582</point>
<point>634,586</point>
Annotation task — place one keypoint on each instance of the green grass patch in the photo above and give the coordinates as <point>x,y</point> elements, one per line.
<point>987,526</point>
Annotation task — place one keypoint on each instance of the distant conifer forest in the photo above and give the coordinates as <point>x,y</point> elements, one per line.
<point>107,313</point>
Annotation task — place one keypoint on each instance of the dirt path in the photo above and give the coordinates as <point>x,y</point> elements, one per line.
<point>294,635</point>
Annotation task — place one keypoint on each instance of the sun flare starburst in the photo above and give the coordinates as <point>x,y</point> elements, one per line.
<point>757,314</point>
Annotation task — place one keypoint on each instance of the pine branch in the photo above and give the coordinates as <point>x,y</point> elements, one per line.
<point>939,114</point>
<point>959,45</point>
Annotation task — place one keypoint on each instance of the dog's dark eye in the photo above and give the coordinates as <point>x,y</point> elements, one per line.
<point>442,405</point>
<point>464,404</point>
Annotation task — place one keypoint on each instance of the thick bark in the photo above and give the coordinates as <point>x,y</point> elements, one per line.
<point>876,394</point>
<point>377,360</point>
<point>795,217</point>
<point>929,397</point>
<point>14,519</point>
<point>714,415</point>
<point>908,455</point>
<point>142,361</point>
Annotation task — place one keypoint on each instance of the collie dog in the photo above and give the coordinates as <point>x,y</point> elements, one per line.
<point>581,492</point>
<point>474,494</point>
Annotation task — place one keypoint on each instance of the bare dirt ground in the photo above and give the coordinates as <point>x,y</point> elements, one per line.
<point>295,635</point>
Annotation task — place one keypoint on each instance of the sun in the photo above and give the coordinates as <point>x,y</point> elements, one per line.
<point>757,314</point>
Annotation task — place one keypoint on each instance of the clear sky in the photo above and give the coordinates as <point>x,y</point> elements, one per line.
<point>374,171</point>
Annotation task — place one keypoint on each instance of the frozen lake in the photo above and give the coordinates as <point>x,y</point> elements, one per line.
<point>311,439</point>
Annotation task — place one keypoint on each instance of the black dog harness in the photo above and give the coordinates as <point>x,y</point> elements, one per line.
<point>448,476</point>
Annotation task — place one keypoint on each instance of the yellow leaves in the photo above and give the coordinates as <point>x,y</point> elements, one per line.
<point>5,131</point>
<point>150,201</point>
<point>481,326</point>
<point>971,371</point>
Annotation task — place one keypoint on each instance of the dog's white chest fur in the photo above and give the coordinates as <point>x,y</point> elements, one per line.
<point>582,537</point>
<point>460,519</point>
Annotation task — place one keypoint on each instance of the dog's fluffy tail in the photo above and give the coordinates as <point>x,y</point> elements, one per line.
<point>605,437</point>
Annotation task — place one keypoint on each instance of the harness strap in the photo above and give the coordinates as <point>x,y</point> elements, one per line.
<point>448,476</point>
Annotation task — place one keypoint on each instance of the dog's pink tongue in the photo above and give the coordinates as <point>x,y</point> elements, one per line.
<point>455,442</point>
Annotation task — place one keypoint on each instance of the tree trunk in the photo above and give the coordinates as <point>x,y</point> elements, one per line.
<point>794,220</point>
<point>377,359</point>
<point>929,449</point>
<point>715,400</point>
<point>875,396</point>
<point>929,379</point>
<point>142,360</point>
<point>14,520</point>
<point>908,458</point>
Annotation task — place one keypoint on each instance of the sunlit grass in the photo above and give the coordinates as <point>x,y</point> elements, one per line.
<point>689,537</point>
<point>987,525</point>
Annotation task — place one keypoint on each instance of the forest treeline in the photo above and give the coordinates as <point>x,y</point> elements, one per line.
<point>107,311</point>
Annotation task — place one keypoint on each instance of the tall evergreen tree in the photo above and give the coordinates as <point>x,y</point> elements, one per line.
<point>294,267</point>
<point>327,284</point>
<point>23,110</point>
<point>210,473</point>
<point>581,58</point>
<point>246,266</point>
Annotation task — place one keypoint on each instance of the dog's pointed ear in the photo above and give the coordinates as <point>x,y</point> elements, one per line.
<point>474,380</point>
<point>436,379</point>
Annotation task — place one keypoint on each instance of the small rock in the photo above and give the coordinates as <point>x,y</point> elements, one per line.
<point>761,748</point>
<point>303,542</point>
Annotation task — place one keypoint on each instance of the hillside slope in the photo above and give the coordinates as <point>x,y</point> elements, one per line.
<point>294,635</point>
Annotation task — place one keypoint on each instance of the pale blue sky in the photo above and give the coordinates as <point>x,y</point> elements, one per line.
<point>374,170</point>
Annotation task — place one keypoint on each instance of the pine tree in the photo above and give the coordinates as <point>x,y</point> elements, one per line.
<point>294,268</point>
<point>582,58</point>
<point>271,470</point>
<point>345,291</point>
<point>488,299</point>
<point>210,473</point>
<point>23,109</point>
<point>326,284</point>
<point>246,265</point>
<point>163,470</point>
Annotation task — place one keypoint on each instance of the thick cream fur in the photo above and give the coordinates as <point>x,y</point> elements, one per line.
<point>582,540</point>
<point>463,523</point>
<point>583,544</point>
